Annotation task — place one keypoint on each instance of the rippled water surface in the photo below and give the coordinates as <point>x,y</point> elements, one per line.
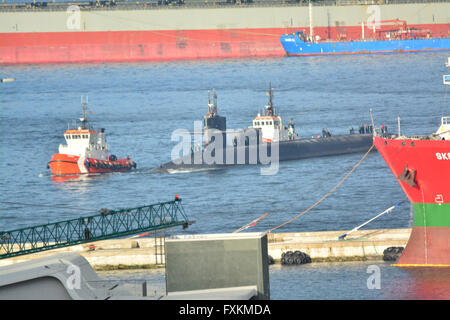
<point>323,281</point>
<point>140,105</point>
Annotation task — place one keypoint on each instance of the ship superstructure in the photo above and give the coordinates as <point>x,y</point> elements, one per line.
<point>86,151</point>
<point>271,125</point>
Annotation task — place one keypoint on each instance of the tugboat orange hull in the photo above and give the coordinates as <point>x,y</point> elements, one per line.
<point>65,164</point>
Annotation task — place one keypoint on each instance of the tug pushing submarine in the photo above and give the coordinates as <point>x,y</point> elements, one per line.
<point>267,139</point>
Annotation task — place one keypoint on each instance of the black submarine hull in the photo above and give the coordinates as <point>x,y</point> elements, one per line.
<point>262,153</point>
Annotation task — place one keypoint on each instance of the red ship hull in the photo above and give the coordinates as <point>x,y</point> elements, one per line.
<point>64,164</point>
<point>120,46</point>
<point>422,168</point>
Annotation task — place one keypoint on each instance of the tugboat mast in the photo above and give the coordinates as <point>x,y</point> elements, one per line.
<point>84,121</point>
<point>270,108</point>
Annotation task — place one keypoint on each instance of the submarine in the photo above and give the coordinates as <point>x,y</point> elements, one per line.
<point>267,141</point>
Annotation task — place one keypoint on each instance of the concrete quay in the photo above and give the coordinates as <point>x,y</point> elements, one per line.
<point>324,246</point>
<point>321,246</point>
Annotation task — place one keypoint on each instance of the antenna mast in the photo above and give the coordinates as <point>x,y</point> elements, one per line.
<point>83,110</point>
<point>270,103</point>
<point>212,106</point>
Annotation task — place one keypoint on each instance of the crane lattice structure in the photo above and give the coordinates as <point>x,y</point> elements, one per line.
<point>108,224</point>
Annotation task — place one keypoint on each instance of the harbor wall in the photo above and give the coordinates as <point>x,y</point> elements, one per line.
<point>322,246</point>
<point>191,33</point>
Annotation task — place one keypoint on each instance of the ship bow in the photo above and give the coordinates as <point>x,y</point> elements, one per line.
<point>422,168</point>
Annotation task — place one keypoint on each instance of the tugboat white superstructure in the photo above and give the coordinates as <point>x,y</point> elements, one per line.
<point>271,124</point>
<point>86,152</point>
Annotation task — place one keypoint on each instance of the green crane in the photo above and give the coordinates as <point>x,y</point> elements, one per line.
<point>107,224</point>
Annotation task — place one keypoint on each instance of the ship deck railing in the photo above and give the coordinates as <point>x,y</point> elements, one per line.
<point>393,136</point>
<point>158,4</point>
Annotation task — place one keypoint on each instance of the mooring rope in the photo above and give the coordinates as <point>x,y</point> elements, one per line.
<point>251,224</point>
<point>325,196</point>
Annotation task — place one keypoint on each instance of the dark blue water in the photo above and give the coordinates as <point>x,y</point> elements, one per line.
<point>140,105</point>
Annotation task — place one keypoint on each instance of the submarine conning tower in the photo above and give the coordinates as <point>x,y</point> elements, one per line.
<point>212,121</point>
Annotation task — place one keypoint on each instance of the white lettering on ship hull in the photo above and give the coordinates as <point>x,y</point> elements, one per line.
<point>439,199</point>
<point>443,155</point>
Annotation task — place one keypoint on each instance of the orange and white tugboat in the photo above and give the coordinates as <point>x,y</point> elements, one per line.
<point>86,152</point>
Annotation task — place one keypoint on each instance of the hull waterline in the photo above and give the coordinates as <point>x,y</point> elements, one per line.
<point>263,155</point>
<point>422,168</point>
<point>66,165</point>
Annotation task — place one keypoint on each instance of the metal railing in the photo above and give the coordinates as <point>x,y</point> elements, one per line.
<point>155,5</point>
<point>106,225</point>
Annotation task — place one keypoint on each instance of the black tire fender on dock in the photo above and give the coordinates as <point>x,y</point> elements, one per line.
<point>392,253</point>
<point>295,258</point>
